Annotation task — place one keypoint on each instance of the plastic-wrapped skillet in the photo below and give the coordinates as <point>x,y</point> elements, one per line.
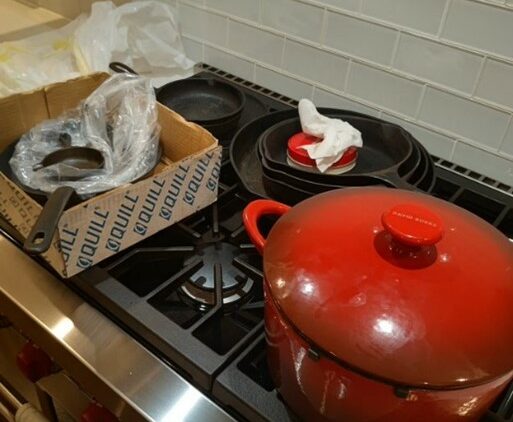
<point>54,203</point>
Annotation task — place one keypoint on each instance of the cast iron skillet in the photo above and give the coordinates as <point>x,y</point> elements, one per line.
<point>211,103</point>
<point>378,137</point>
<point>420,177</point>
<point>386,153</point>
<point>428,179</point>
<point>54,203</point>
<point>243,149</point>
<point>274,175</point>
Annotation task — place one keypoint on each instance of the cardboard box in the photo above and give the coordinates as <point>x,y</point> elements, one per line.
<point>184,182</point>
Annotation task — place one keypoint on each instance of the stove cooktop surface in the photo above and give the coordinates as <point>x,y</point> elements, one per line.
<point>192,293</point>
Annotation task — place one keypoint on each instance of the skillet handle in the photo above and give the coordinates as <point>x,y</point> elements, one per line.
<point>253,212</point>
<point>119,67</point>
<point>41,235</point>
<point>394,180</point>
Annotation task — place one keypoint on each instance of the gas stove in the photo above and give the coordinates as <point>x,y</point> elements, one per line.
<point>193,295</point>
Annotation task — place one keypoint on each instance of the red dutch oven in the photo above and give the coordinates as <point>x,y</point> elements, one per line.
<point>385,305</point>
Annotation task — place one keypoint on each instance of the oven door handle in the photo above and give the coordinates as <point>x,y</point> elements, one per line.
<point>9,404</point>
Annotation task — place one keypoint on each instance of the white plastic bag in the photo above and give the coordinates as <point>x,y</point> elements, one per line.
<point>142,34</point>
<point>38,60</point>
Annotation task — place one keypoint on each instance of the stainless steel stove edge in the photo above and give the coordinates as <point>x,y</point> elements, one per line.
<point>102,358</point>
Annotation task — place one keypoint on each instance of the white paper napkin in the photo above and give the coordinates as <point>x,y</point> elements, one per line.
<point>337,136</point>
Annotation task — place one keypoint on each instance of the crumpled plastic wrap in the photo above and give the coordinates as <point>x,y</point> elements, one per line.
<point>119,119</point>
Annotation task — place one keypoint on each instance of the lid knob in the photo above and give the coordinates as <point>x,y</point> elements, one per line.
<point>413,225</point>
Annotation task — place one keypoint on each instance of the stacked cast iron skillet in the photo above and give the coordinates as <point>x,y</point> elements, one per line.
<point>390,156</point>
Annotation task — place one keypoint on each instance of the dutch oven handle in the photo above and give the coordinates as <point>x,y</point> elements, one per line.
<point>253,212</point>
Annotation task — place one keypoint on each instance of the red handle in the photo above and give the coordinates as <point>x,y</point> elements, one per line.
<point>97,413</point>
<point>33,362</point>
<point>253,212</point>
<point>413,225</point>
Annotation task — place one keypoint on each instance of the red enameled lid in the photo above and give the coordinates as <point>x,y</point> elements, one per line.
<point>397,284</point>
<point>300,155</point>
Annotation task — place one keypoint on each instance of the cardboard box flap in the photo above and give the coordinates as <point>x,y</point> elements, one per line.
<point>20,113</point>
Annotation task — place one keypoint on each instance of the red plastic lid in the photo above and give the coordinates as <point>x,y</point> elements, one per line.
<point>300,155</point>
<point>397,284</point>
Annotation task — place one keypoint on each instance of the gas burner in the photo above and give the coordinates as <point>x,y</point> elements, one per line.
<point>200,290</point>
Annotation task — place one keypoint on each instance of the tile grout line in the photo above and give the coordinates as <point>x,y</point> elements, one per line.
<point>478,77</point>
<point>324,27</point>
<point>420,103</point>
<point>227,33</point>
<point>443,19</point>
<point>503,139</point>
<point>453,149</point>
<point>282,55</point>
<point>395,49</point>
<point>349,70</point>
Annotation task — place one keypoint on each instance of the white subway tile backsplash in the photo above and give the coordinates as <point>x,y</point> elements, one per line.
<point>314,64</point>
<point>229,62</point>
<point>421,15</point>
<point>293,17</point>
<point>247,9</point>
<point>255,43</point>
<point>353,5</point>
<point>384,89</point>
<point>436,62</point>
<point>193,49</point>
<point>484,162</point>
<point>496,83</point>
<point>464,117</point>
<point>322,98</point>
<point>481,26</point>
<point>437,144</point>
<point>359,38</point>
<point>209,27</point>
<point>282,84</point>
<point>507,145</point>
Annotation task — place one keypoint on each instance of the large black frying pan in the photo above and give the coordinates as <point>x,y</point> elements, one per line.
<point>388,154</point>
<point>213,104</point>
<point>243,149</point>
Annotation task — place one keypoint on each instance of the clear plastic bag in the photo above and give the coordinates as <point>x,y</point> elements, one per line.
<point>119,119</point>
<point>142,34</point>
